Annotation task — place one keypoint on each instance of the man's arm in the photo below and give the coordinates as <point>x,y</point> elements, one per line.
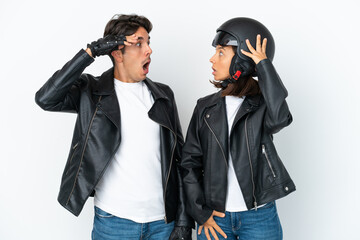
<point>62,91</point>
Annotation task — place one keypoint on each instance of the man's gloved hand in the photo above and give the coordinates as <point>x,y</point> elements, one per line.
<point>106,44</point>
<point>181,233</point>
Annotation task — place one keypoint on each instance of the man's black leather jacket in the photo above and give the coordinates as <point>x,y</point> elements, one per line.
<point>97,134</point>
<point>259,170</point>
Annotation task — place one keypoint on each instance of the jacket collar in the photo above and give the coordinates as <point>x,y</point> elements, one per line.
<point>252,101</point>
<point>105,86</point>
<point>155,90</point>
<point>110,105</point>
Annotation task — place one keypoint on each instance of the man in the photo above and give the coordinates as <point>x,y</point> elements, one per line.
<point>127,138</point>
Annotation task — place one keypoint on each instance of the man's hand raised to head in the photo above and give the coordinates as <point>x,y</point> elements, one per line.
<point>106,45</point>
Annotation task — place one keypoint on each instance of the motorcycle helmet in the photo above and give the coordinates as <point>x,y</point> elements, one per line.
<point>234,32</point>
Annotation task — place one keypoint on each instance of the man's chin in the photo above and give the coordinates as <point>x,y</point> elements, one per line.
<point>143,76</point>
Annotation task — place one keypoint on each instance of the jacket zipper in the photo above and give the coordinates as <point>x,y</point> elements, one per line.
<point>267,158</point>
<point>222,151</point>
<point>251,168</point>
<point>82,154</point>
<point>168,176</point>
<point>72,156</point>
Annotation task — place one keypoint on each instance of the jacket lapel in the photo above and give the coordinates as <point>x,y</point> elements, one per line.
<point>250,104</point>
<point>216,118</point>
<point>109,103</point>
<point>159,112</point>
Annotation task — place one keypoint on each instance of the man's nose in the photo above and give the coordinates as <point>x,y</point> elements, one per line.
<point>148,50</point>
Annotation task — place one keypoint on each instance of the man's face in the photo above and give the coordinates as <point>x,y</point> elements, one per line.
<point>136,58</point>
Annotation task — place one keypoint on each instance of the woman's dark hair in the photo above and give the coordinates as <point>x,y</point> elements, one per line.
<point>126,25</point>
<point>244,86</point>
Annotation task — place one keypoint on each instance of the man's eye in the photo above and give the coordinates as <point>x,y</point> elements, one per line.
<point>138,44</point>
<point>221,53</point>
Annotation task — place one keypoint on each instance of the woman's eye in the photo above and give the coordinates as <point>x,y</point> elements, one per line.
<point>138,44</point>
<point>221,53</point>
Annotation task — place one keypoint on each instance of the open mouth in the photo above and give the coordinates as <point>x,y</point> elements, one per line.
<point>214,70</point>
<point>146,66</point>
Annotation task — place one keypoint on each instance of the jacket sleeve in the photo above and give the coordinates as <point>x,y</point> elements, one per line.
<point>192,172</point>
<point>277,115</point>
<point>62,91</point>
<point>182,218</point>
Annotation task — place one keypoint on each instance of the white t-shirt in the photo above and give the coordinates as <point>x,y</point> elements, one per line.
<point>131,187</point>
<point>234,200</point>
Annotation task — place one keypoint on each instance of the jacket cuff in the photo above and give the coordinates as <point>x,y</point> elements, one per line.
<point>184,223</point>
<point>269,79</point>
<point>87,58</point>
<point>203,216</point>
<point>260,67</point>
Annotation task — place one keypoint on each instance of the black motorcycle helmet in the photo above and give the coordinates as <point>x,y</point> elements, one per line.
<point>234,32</point>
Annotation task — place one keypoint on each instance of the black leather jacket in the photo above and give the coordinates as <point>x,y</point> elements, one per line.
<point>97,134</point>
<point>259,170</point>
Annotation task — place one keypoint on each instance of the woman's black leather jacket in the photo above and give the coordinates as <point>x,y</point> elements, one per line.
<point>259,170</point>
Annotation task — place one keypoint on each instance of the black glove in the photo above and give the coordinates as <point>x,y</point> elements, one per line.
<point>106,45</point>
<point>181,233</point>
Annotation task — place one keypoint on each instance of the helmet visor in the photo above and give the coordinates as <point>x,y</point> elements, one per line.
<point>224,39</point>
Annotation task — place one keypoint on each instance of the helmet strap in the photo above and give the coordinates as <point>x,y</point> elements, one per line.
<point>235,72</point>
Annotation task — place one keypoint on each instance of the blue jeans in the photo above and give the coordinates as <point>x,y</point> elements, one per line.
<point>263,224</point>
<point>110,227</point>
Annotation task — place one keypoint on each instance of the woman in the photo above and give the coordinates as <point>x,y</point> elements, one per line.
<point>231,171</point>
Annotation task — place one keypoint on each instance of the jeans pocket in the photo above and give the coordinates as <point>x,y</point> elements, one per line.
<point>102,213</point>
<point>268,205</point>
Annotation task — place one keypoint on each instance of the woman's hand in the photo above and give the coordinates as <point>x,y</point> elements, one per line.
<point>210,225</point>
<point>260,52</point>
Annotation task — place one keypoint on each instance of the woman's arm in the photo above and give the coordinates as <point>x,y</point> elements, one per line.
<point>278,115</point>
<point>192,173</point>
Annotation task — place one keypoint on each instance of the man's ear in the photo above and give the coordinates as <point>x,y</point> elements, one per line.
<point>117,54</point>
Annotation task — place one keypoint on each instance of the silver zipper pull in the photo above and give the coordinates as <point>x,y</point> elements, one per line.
<point>255,204</point>
<point>263,149</point>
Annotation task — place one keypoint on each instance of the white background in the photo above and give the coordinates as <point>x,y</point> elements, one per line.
<point>317,56</point>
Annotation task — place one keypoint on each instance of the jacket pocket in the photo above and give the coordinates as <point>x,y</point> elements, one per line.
<point>73,151</point>
<point>264,152</point>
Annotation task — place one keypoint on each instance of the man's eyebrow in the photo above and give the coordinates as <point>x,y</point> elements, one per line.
<point>142,39</point>
<point>221,47</point>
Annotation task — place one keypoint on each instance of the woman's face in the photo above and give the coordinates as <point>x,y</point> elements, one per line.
<point>221,61</point>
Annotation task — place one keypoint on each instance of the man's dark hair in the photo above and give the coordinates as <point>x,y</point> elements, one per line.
<point>244,86</point>
<point>126,25</point>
